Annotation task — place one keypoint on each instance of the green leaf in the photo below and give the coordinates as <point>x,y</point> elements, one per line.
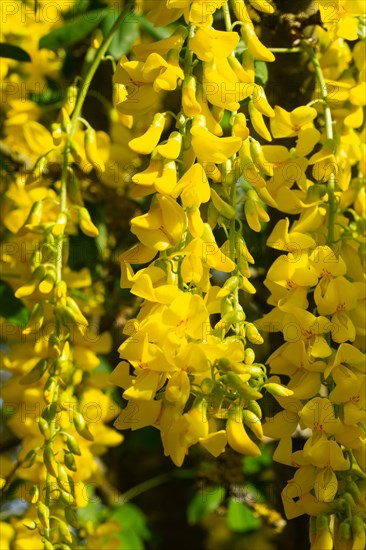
<point>92,512</point>
<point>240,518</point>
<point>125,36</point>
<point>129,539</point>
<point>73,31</point>
<point>132,519</point>
<point>11,308</point>
<point>14,52</point>
<point>158,33</point>
<point>204,502</point>
<point>261,72</point>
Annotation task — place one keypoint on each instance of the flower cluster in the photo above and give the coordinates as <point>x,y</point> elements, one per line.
<point>56,404</point>
<point>209,167</point>
<point>193,373</point>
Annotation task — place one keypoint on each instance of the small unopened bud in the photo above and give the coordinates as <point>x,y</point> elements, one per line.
<point>86,225</point>
<point>81,426</point>
<point>35,374</point>
<point>43,514</point>
<point>277,390</point>
<point>252,334</point>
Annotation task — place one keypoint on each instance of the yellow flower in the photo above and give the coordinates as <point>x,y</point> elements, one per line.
<point>298,122</point>
<point>209,43</point>
<point>342,20</point>
<point>210,148</point>
<point>163,226</point>
<point>145,144</point>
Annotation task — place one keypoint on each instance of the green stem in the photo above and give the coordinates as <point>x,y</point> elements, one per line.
<point>332,200</point>
<point>93,68</point>
<point>155,482</point>
<point>227,19</point>
<point>74,121</point>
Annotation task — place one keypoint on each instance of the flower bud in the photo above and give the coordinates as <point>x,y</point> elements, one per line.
<point>81,426</point>
<point>35,374</point>
<point>33,220</point>
<point>43,514</point>
<point>44,428</point>
<point>253,422</point>
<point>60,224</point>
<point>223,207</point>
<point>70,462</point>
<point>30,458</point>
<point>73,445</point>
<point>34,494</point>
<point>29,288</point>
<point>86,225</point>
<point>49,389</point>
<point>56,133</point>
<point>71,97</point>
<point>190,105</point>
<point>255,408</point>
<point>252,334</point>
<point>71,517</point>
<point>249,356</point>
<point>277,390</point>
<point>49,461</point>
<point>65,121</point>
<point>91,149</point>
